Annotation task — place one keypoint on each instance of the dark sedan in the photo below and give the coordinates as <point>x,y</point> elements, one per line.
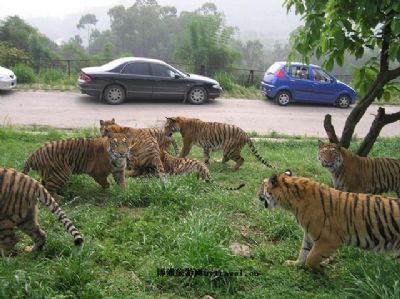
<point>143,78</point>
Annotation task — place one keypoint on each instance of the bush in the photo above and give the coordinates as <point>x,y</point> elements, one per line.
<point>24,73</point>
<point>225,80</point>
<point>49,76</point>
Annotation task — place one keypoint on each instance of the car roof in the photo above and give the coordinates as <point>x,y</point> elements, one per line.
<point>298,63</point>
<point>132,59</point>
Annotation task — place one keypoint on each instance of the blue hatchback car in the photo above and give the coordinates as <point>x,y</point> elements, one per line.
<point>297,82</point>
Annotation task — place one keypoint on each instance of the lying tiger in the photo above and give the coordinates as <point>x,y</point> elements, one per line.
<point>353,173</point>
<point>158,133</point>
<point>19,196</point>
<point>212,136</point>
<point>98,157</point>
<point>174,165</point>
<point>144,149</point>
<point>331,218</point>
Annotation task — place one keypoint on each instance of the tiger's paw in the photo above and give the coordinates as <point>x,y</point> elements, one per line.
<point>292,263</point>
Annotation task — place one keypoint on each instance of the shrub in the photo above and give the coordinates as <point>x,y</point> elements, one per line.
<point>225,80</point>
<point>24,73</point>
<point>49,76</point>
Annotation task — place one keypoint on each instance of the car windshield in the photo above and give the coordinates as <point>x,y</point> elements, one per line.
<point>113,64</point>
<point>182,74</point>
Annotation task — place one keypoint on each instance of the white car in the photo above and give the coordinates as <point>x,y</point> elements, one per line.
<point>8,80</point>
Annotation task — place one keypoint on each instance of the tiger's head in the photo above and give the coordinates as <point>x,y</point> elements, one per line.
<point>118,147</point>
<point>273,191</point>
<point>104,124</point>
<point>171,126</point>
<point>330,156</point>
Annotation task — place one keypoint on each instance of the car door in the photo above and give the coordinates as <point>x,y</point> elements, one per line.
<point>137,78</point>
<point>167,83</point>
<point>324,86</point>
<point>301,85</point>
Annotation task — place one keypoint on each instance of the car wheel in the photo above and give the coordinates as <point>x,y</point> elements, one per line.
<point>197,95</point>
<point>114,94</point>
<point>283,98</point>
<point>343,101</point>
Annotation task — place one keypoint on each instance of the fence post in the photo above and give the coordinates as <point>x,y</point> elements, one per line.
<point>202,70</point>
<point>250,78</point>
<point>69,68</point>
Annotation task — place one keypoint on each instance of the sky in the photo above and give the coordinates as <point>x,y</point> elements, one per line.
<point>256,19</point>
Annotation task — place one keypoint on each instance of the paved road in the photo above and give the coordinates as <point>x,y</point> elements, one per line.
<point>71,110</point>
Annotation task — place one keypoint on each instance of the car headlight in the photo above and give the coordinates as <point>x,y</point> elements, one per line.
<point>217,86</point>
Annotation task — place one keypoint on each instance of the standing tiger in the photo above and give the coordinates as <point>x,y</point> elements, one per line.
<point>353,173</point>
<point>331,218</point>
<point>144,149</point>
<point>212,136</point>
<point>98,157</point>
<point>158,133</point>
<point>19,195</point>
<point>174,165</point>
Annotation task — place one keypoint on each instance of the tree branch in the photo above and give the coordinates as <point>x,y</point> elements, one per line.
<point>381,120</point>
<point>393,74</point>
<point>330,129</point>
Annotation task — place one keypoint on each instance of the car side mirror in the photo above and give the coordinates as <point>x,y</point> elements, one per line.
<point>177,76</point>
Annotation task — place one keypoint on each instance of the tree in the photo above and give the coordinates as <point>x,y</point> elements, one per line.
<point>333,28</point>
<point>88,21</point>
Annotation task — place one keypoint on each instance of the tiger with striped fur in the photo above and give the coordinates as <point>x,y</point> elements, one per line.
<point>98,157</point>
<point>353,173</point>
<point>144,149</point>
<point>19,197</point>
<point>212,136</point>
<point>331,218</point>
<point>158,133</point>
<point>173,165</point>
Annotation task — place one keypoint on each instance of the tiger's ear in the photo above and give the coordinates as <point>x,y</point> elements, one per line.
<point>113,121</point>
<point>101,122</point>
<point>320,143</point>
<point>172,119</point>
<point>273,180</point>
<point>288,172</point>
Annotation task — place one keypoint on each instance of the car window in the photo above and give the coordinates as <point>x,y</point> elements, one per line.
<point>161,70</point>
<point>273,68</point>
<point>137,68</point>
<point>321,76</point>
<point>299,72</point>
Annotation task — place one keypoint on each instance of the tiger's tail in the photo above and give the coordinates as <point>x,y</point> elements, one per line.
<point>257,155</point>
<point>216,184</point>
<point>46,198</point>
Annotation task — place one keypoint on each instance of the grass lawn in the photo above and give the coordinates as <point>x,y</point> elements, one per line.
<point>184,223</point>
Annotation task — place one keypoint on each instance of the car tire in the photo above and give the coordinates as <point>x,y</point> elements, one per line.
<point>343,101</point>
<point>114,95</point>
<point>197,95</point>
<point>283,98</point>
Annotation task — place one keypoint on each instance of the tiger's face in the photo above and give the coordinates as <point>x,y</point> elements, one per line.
<point>118,147</point>
<point>272,189</point>
<point>329,156</point>
<point>171,126</point>
<point>104,124</point>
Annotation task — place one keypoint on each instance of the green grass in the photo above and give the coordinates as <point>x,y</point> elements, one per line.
<point>184,223</point>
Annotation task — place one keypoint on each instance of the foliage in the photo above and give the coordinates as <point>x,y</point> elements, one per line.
<point>10,56</point>
<point>88,22</point>
<point>24,73</point>
<point>51,75</point>
<point>180,223</point>
<point>20,35</point>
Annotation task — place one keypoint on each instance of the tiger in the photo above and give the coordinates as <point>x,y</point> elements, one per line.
<point>144,149</point>
<point>353,173</point>
<point>98,157</point>
<point>19,196</point>
<point>158,133</point>
<point>212,136</point>
<point>173,165</point>
<point>331,218</point>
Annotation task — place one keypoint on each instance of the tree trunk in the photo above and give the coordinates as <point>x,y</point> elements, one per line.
<point>381,119</point>
<point>330,130</point>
